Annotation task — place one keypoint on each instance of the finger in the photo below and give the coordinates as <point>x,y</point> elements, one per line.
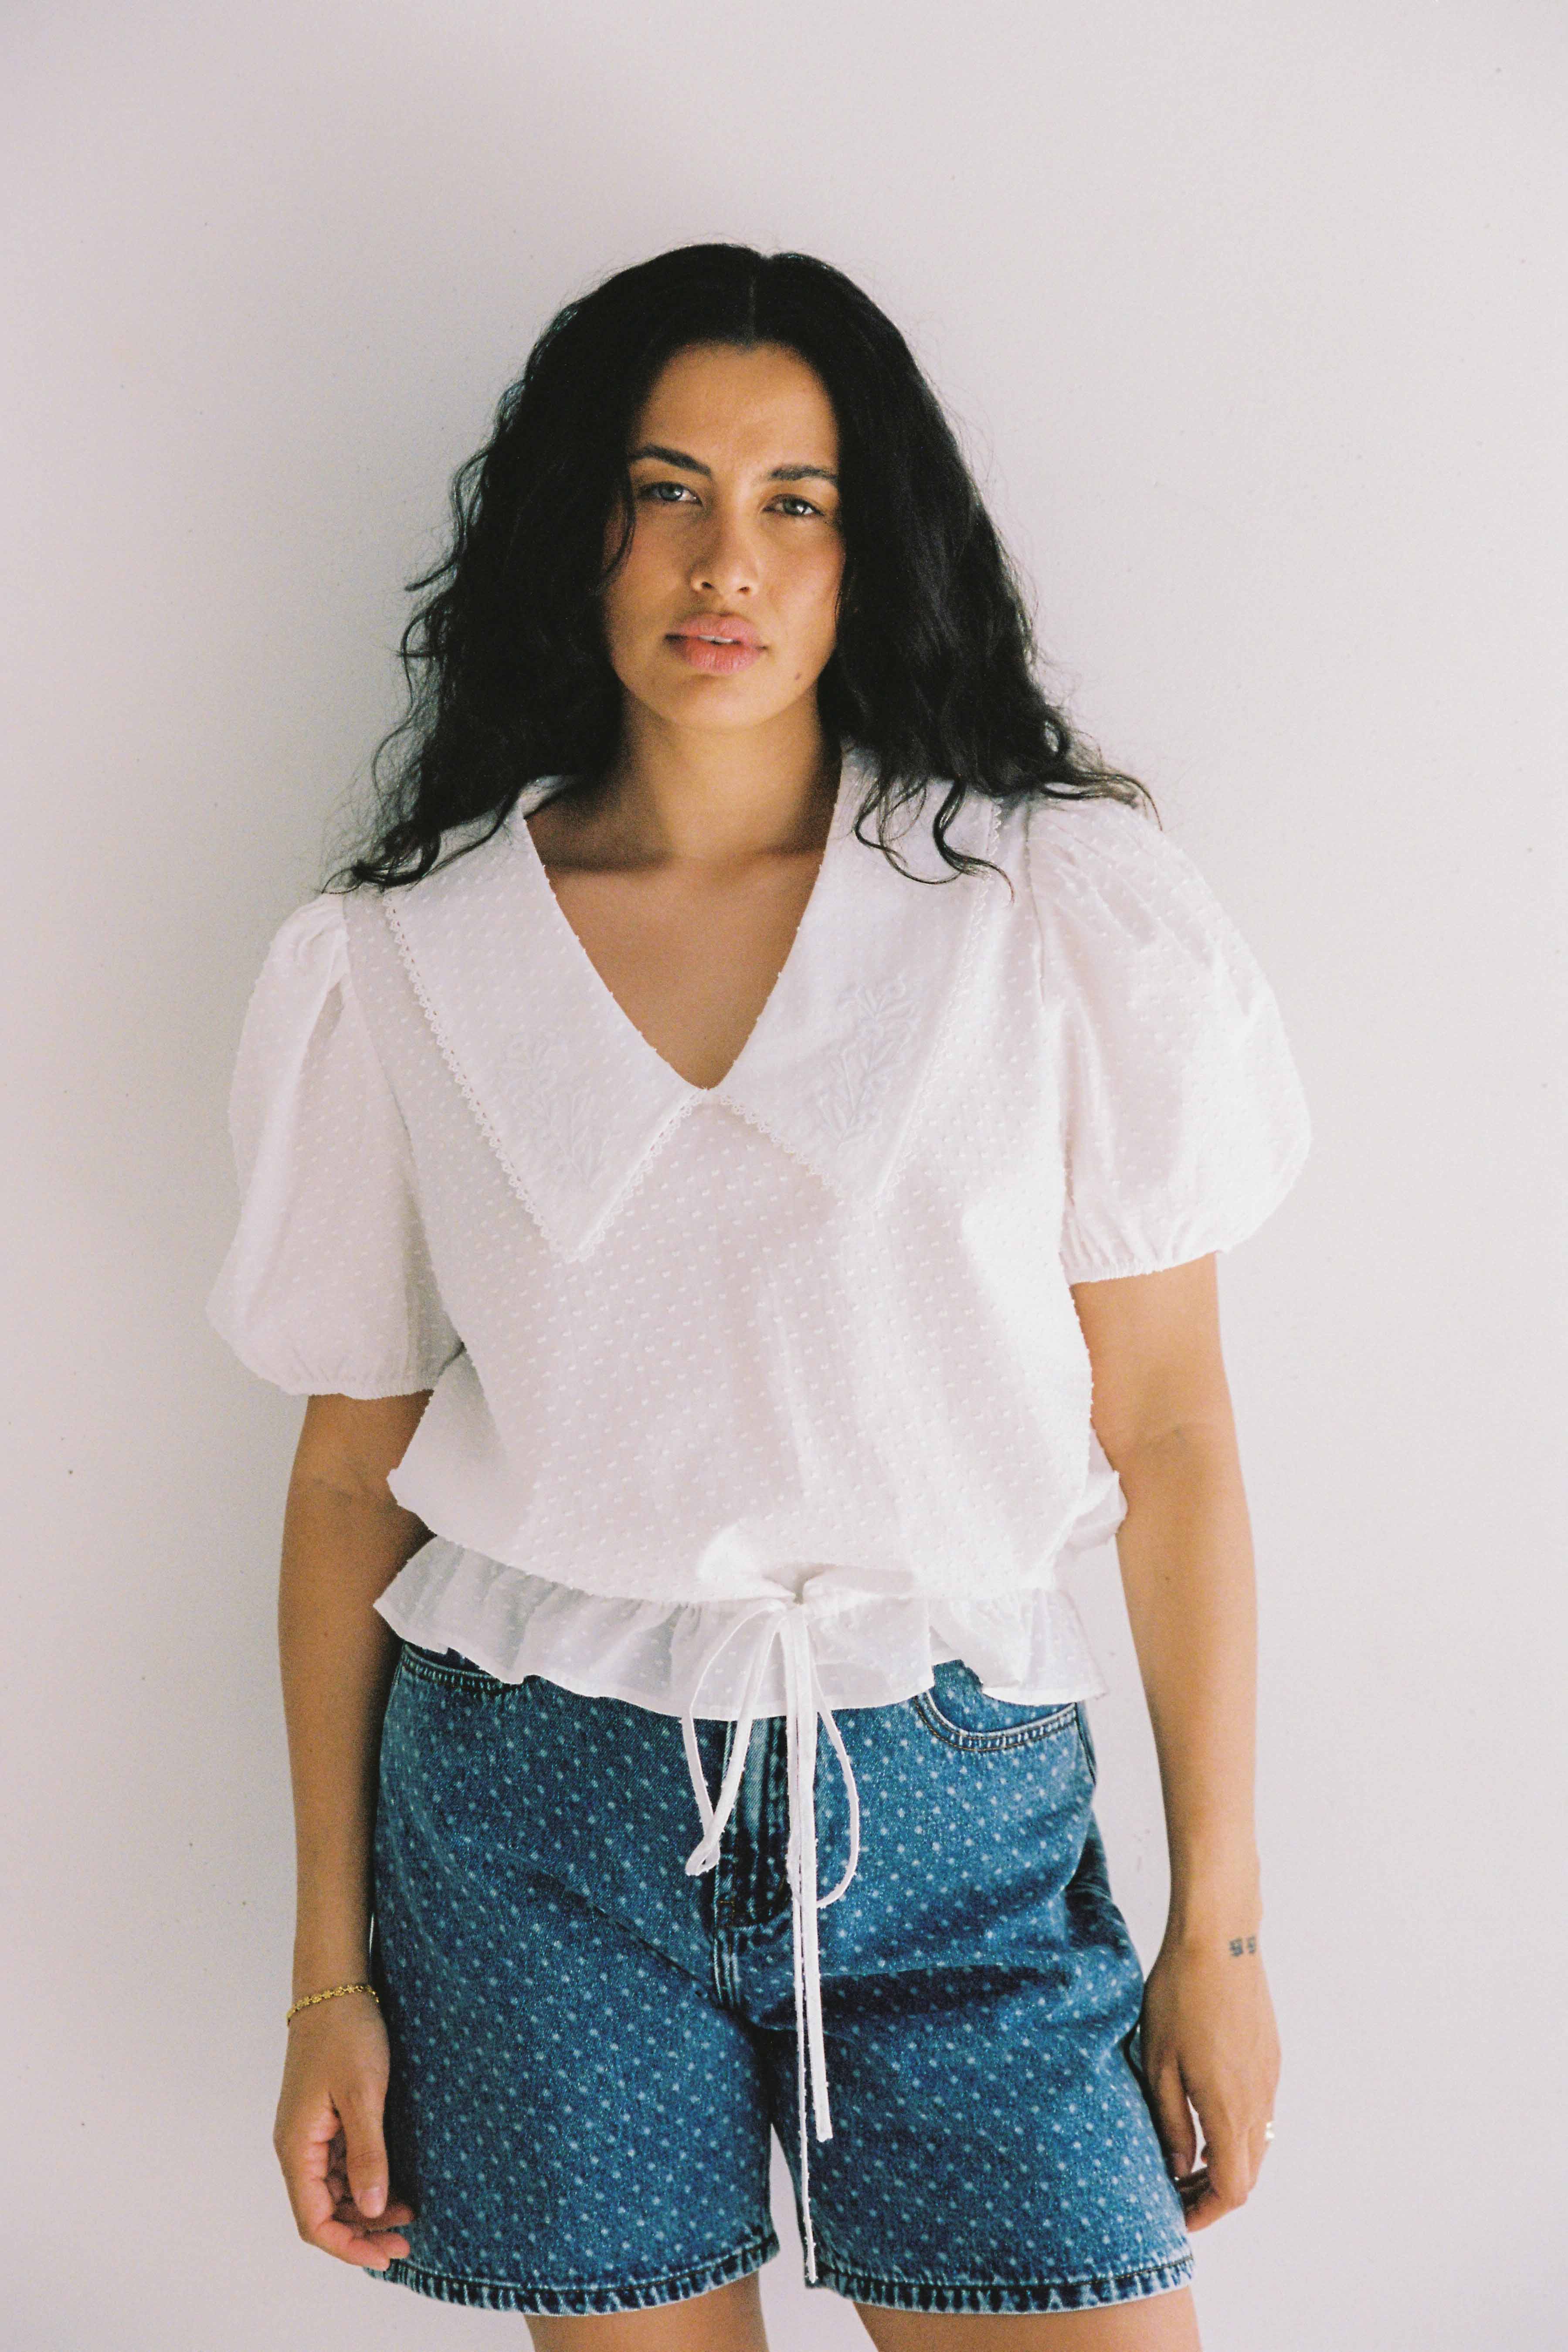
<point>1201,2206</point>
<point>367,2170</point>
<point>305,2159</point>
<point>336,2226</point>
<point>1173,2118</point>
<point>348,2233</point>
<point>1191,2189</point>
<point>393,2214</point>
<point>1227,2154</point>
<point>351,2243</point>
<point>326,2213</point>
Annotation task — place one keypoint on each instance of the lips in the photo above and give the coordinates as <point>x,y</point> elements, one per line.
<point>718,628</point>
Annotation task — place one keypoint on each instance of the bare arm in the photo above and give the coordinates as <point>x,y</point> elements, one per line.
<point>1162,1413</point>
<point>345,1539</point>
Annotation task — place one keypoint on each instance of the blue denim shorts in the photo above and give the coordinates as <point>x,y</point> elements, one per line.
<point>591,2049</point>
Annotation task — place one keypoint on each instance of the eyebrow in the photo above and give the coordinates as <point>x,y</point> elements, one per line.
<point>695,466</point>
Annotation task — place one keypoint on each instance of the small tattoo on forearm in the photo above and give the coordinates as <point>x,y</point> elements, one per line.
<point>1239,1944</point>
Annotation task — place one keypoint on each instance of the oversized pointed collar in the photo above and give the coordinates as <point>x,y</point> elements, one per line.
<point>576,1102</point>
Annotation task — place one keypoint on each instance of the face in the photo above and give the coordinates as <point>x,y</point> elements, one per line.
<point>737,533</point>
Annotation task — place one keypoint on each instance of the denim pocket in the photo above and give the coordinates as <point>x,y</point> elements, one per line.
<point>957,1709</point>
<point>449,1670</point>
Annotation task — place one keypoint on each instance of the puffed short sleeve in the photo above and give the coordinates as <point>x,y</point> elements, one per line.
<point>327,1288</point>
<point>1185,1122</point>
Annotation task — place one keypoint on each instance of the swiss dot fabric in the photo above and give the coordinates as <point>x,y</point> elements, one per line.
<point>807,1335</point>
<point>327,1288</point>
<point>1182,1109</point>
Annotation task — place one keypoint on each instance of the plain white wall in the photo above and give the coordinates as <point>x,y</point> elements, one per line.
<point>1243,312</point>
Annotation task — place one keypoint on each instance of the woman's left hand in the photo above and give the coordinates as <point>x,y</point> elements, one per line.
<point>1209,2037</point>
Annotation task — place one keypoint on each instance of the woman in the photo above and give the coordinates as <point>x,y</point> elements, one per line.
<point>696,1221</point>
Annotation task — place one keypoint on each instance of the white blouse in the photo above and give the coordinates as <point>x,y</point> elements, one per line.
<point>766,1397</point>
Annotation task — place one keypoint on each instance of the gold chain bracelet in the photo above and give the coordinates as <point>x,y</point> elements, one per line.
<point>331,1994</point>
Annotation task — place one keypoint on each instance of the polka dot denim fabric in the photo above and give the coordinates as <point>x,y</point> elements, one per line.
<point>591,2049</point>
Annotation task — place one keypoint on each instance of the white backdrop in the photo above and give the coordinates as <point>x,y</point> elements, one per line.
<point>1243,313</point>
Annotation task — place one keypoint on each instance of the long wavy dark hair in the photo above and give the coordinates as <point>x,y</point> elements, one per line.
<point>932,672</point>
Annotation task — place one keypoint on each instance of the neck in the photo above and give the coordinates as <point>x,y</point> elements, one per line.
<point>711,793</point>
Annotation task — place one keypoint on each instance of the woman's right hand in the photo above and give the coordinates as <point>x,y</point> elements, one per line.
<point>329,2133</point>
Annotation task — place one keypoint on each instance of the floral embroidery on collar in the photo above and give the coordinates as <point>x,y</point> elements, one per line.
<point>538,1068</point>
<point>879,1018</point>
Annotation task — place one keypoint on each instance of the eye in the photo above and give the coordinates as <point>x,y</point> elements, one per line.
<point>650,490</point>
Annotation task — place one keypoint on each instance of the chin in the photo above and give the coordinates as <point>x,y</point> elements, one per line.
<point>711,701</point>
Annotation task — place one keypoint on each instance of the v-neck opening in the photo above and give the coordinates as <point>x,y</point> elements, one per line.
<point>518,826</point>
<point>573,1098</point>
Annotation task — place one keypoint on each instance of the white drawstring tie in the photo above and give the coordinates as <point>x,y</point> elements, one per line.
<point>804,1704</point>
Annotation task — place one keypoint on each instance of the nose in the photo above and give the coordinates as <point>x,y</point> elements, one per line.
<point>724,562</point>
